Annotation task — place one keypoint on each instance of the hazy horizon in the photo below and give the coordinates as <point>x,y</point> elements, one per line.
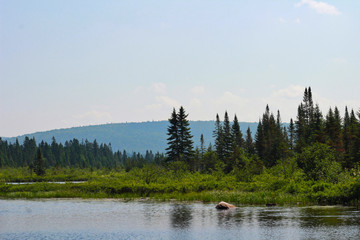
<point>100,124</point>
<point>80,63</point>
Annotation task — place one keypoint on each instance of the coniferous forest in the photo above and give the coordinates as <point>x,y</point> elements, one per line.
<point>315,159</point>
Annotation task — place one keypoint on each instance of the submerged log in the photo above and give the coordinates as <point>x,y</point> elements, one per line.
<point>224,205</point>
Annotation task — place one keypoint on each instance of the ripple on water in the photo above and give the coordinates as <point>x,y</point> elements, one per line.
<point>115,219</point>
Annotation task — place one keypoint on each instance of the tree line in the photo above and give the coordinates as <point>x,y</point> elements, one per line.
<point>73,153</point>
<point>321,146</point>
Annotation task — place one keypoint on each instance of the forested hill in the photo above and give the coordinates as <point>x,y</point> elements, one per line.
<point>137,137</point>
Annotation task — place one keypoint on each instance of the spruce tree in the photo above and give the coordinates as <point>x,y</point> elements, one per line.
<point>347,138</point>
<point>305,122</point>
<point>249,144</point>
<point>260,141</point>
<point>172,151</point>
<point>291,134</point>
<point>219,138</point>
<point>355,135</point>
<point>238,140</point>
<point>318,133</point>
<point>270,138</point>
<point>180,143</point>
<point>227,137</point>
<point>202,146</point>
<point>185,142</point>
<point>39,166</point>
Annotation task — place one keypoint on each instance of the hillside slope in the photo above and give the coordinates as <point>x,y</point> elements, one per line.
<point>137,137</point>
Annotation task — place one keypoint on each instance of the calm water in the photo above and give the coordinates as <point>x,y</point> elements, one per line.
<point>114,219</point>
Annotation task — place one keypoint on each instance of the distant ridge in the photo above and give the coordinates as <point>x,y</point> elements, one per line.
<point>132,137</point>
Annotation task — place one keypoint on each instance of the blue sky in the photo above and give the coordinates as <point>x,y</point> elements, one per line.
<point>77,63</point>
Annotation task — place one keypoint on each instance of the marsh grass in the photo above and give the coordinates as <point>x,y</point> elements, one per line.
<point>266,188</point>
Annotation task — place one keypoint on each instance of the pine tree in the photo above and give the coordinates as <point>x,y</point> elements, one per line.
<point>173,139</point>
<point>338,131</point>
<point>227,137</point>
<point>300,129</point>
<point>180,143</point>
<point>355,135</point>
<point>39,166</point>
<point>270,139</point>
<point>238,140</point>
<point>202,146</point>
<point>317,128</point>
<point>305,122</point>
<point>249,144</point>
<point>185,144</point>
<point>260,141</point>
<point>347,138</point>
<point>219,138</point>
<point>29,151</point>
<point>291,134</point>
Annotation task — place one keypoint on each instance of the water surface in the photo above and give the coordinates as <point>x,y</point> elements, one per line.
<point>116,219</point>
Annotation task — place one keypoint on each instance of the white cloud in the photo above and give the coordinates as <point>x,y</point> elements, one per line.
<point>230,101</point>
<point>282,20</point>
<point>294,91</point>
<point>138,89</point>
<point>197,90</point>
<point>339,60</point>
<point>320,7</point>
<point>167,101</point>
<point>159,87</point>
<point>195,103</point>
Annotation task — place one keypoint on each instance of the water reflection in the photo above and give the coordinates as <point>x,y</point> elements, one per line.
<point>229,218</point>
<point>328,216</point>
<point>114,219</point>
<point>181,216</point>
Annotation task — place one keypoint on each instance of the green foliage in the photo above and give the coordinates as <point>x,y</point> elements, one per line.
<point>180,144</point>
<point>318,163</point>
<point>176,182</point>
<point>39,167</point>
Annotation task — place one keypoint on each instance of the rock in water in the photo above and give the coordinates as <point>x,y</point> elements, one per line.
<point>224,205</point>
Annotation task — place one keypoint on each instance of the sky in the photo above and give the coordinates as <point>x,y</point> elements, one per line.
<point>85,62</point>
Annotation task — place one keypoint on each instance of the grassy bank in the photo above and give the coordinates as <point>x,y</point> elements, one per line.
<point>162,184</point>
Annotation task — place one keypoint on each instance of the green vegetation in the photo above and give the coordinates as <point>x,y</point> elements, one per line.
<point>281,185</point>
<point>313,161</point>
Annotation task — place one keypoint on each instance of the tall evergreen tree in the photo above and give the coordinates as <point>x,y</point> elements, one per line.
<point>238,140</point>
<point>270,139</point>
<point>218,134</point>
<point>317,128</point>
<point>227,137</point>
<point>305,121</point>
<point>249,144</point>
<point>291,134</point>
<point>202,145</point>
<point>260,141</point>
<point>180,143</point>
<point>172,151</point>
<point>347,138</point>
<point>185,144</point>
<point>39,166</point>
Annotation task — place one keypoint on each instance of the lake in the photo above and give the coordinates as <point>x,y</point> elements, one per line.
<point>118,219</point>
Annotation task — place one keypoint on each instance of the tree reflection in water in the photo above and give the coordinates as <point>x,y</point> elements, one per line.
<point>181,216</point>
<point>328,216</point>
<point>229,217</point>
